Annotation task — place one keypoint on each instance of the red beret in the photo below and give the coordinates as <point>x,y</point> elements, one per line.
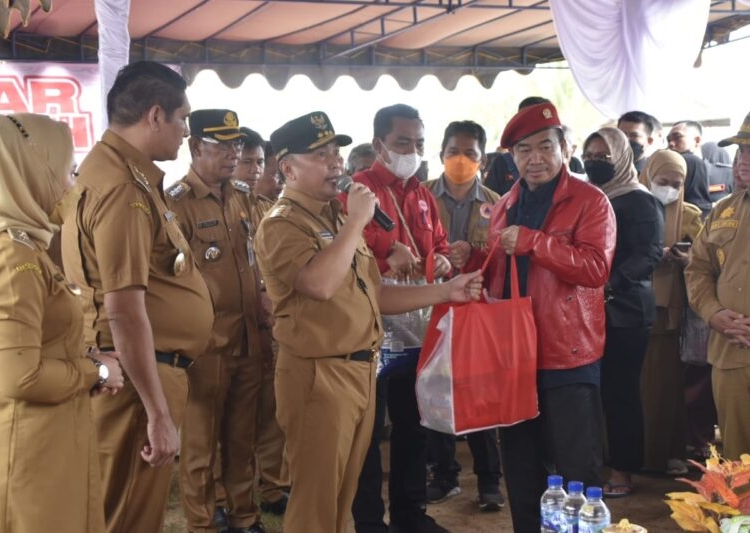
<point>528,121</point>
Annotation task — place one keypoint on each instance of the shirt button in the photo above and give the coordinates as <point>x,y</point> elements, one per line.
<point>568,298</point>
<point>574,351</point>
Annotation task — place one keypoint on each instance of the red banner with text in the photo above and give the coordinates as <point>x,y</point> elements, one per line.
<point>66,92</point>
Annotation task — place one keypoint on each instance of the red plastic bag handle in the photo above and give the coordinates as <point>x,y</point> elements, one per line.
<point>515,290</point>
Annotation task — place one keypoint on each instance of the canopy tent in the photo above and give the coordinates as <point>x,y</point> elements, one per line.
<point>623,54</point>
<point>323,39</point>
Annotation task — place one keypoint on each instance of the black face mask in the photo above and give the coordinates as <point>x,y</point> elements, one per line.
<point>637,150</point>
<point>599,172</point>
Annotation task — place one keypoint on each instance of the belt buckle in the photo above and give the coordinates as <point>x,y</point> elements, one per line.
<point>374,355</point>
<point>175,359</point>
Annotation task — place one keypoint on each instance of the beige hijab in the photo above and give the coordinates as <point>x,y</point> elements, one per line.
<point>36,154</point>
<point>667,276</point>
<point>626,177</point>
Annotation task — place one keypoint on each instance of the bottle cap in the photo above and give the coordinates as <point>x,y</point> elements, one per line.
<point>554,482</point>
<point>594,493</point>
<point>575,486</point>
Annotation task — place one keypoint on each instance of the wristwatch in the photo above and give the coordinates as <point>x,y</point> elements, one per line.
<point>103,372</point>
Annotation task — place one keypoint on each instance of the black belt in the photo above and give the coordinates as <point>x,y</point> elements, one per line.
<point>172,359</point>
<point>362,355</point>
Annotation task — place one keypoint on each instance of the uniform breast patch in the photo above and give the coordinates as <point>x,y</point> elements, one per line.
<point>140,205</point>
<point>208,223</point>
<point>25,267</point>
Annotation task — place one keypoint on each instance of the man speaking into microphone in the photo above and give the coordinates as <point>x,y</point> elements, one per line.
<point>327,296</point>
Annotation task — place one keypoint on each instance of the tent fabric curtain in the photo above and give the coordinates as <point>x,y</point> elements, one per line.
<point>114,43</point>
<point>627,54</point>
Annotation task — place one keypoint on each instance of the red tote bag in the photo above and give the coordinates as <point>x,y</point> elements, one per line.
<point>478,364</point>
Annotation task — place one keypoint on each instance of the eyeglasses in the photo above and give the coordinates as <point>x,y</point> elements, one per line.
<point>235,145</point>
<point>598,156</point>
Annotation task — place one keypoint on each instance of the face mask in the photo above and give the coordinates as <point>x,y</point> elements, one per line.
<point>665,194</point>
<point>637,150</point>
<point>460,169</point>
<point>403,166</point>
<point>599,172</point>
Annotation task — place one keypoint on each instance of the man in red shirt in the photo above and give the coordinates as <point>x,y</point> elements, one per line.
<point>400,253</point>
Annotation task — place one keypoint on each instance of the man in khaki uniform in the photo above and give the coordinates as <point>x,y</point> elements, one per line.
<point>464,206</point>
<point>325,286</point>
<point>142,292</point>
<point>717,280</point>
<point>214,214</point>
<point>273,471</point>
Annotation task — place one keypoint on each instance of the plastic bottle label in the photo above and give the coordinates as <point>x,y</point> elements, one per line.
<point>553,521</point>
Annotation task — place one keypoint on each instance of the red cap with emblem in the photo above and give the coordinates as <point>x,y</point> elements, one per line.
<point>528,121</point>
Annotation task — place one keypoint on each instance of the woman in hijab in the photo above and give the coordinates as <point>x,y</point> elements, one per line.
<point>663,385</point>
<point>49,459</point>
<point>630,307</point>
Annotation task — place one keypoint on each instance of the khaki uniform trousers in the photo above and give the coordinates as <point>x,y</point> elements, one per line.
<point>135,494</point>
<point>223,401</point>
<point>270,445</point>
<point>326,408</point>
<point>732,397</point>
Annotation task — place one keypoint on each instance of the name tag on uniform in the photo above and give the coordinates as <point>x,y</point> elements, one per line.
<point>325,234</point>
<point>208,224</point>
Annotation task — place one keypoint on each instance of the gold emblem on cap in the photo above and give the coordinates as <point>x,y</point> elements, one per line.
<point>319,121</point>
<point>546,113</point>
<point>230,120</point>
<point>727,213</point>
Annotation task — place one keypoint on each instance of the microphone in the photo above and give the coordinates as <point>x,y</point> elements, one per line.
<point>380,218</point>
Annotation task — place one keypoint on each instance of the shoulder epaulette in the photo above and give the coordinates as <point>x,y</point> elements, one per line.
<point>280,211</point>
<point>177,191</point>
<point>21,237</point>
<point>241,186</point>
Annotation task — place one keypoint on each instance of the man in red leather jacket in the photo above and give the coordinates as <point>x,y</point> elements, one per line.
<point>399,144</point>
<point>563,233</point>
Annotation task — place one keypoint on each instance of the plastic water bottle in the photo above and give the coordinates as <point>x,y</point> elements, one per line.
<point>572,505</point>
<point>594,515</point>
<point>551,506</point>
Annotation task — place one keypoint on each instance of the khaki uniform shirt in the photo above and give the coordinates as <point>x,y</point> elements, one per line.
<point>479,217</point>
<point>296,229</point>
<point>261,206</point>
<point>122,235</point>
<point>718,276</point>
<point>220,233</point>
<point>48,456</point>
